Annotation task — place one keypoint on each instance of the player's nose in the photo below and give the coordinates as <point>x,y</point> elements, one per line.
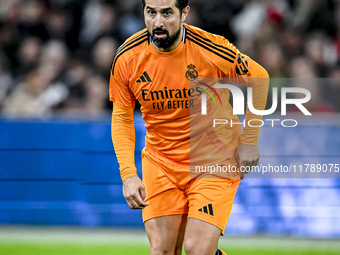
<point>159,21</point>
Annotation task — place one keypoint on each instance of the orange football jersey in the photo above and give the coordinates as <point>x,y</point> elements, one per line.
<point>160,81</point>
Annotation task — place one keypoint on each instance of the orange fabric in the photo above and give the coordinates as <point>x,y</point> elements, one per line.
<point>206,199</point>
<point>222,252</point>
<point>260,85</point>
<point>160,82</point>
<point>123,138</point>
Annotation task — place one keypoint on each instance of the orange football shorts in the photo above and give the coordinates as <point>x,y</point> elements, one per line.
<point>171,192</point>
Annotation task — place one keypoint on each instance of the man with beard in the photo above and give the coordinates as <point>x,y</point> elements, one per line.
<point>156,66</point>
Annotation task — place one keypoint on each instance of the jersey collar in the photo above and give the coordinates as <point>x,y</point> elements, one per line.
<point>184,33</point>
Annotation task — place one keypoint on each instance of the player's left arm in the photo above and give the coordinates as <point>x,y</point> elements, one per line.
<point>247,153</point>
<point>243,70</point>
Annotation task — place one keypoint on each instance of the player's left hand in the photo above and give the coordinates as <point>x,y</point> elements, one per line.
<point>247,155</point>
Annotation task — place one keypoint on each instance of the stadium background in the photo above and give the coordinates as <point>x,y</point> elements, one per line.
<point>57,164</point>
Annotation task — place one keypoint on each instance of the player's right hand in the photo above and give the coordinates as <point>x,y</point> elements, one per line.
<point>134,192</point>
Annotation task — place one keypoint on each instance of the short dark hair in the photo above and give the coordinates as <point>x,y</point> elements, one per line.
<point>180,4</point>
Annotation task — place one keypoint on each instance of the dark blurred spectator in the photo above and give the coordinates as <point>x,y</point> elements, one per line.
<point>333,89</point>
<point>321,53</point>
<point>272,58</point>
<point>75,42</point>
<point>316,15</point>
<point>303,71</point>
<point>35,97</point>
<point>99,20</point>
<point>302,67</point>
<point>131,18</point>
<point>31,19</point>
<point>75,78</point>
<point>72,10</point>
<point>108,24</point>
<point>7,9</point>
<point>292,42</point>
<point>58,25</point>
<point>28,55</point>
<point>337,35</point>
<point>9,41</point>
<point>248,21</point>
<point>216,15</point>
<point>97,95</point>
<point>102,56</point>
<point>194,18</point>
<point>55,54</point>
<point>6,78</point>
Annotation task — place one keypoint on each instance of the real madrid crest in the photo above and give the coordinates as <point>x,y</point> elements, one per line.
<point>191,74</point>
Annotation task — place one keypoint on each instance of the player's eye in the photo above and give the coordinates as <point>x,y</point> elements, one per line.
<point>167,13</point>
<point>151,12</point>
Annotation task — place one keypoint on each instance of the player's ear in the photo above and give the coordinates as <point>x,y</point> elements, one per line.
<point>185,12</point>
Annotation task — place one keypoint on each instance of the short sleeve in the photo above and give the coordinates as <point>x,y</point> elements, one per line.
<point>119,85</point>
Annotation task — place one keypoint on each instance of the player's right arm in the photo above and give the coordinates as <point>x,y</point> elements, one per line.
<point>123,136</point>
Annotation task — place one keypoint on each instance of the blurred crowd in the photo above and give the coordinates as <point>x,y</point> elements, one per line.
<point>56,55</point>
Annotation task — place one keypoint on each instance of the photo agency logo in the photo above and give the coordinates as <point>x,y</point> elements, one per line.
<point>238,104</point>
<point>225,106</point>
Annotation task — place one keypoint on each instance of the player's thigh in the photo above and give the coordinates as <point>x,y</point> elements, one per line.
<point>211,200</point>
<point>166,234</point>
<point>201,237</point>
<point>162,194</point>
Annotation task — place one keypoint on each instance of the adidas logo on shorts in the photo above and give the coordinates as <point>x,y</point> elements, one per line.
<point>207,209</point>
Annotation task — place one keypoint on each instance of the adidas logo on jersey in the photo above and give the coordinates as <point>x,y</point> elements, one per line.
<point>207,209</point>
<point>144,78</point>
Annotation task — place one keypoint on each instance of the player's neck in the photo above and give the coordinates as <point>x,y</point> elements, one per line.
<point>174,45</point>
